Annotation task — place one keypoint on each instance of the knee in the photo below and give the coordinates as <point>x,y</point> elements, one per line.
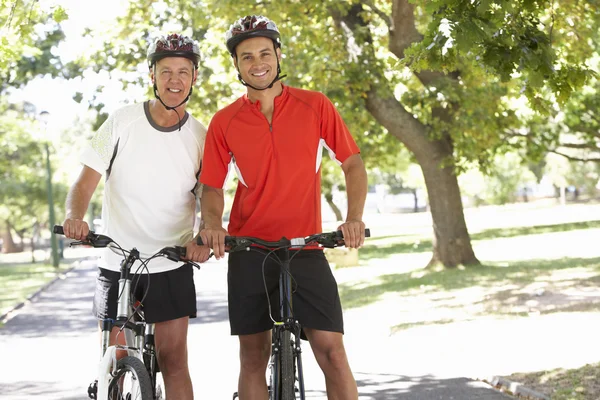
<point>333,356</point>
<point>173,361</point>
<point>254,357</point>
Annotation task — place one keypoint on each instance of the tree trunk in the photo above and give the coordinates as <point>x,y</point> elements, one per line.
<point>415,200</point>
<point>451,242</point>
<point>32,249</point>
<point>8,243</point>
<point>334,208</point>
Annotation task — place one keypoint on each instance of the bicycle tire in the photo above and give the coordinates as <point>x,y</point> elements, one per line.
<point>288,373</point>
<point>131,381</point>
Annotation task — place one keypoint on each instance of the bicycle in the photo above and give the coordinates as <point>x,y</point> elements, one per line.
<point>135,375</point>
<point>285,363</point>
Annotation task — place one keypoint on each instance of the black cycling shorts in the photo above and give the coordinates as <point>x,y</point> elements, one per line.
<point>172,294</point>
<point>315,300</point>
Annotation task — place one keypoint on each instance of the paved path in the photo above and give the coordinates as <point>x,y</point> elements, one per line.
<point>52,345</point>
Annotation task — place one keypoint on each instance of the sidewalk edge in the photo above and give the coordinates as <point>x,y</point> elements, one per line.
<point>7,316</point>
<point>515,388</point>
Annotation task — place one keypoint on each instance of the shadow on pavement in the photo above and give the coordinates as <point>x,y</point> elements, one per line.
<point>398,387</point>
<point>45,390</point>
<point>64,308</point>
<point>211,307</point>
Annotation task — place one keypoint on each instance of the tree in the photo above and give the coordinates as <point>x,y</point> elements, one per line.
<point>438,76</point>
<point>465,60</point>
<point>28,36</point>
<point>22,175</point>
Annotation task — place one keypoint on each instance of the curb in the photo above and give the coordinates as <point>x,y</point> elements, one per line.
<point>515,388</point>
<point>7,316</point>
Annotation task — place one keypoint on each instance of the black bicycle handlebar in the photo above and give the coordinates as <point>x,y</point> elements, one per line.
<point>173,253</point>
<point>327,240</point>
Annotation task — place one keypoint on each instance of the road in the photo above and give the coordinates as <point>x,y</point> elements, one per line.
<point>52,348</point>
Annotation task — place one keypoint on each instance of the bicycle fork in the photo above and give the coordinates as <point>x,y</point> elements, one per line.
<point>285,293</point>
<point>132,331</point>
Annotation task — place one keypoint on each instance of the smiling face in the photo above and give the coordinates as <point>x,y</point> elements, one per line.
<point>173,77</point>
<point>256,60</point>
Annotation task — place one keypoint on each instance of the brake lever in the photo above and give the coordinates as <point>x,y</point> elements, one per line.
<point>239,247</point>
<point>194,264</point>
<point>80,243</point>
<point>174,253</point>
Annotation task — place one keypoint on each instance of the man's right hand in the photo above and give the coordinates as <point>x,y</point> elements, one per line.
<point>215,238</point>
<point>75,228</point>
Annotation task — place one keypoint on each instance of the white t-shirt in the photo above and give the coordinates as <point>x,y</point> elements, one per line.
<point>150,193</point>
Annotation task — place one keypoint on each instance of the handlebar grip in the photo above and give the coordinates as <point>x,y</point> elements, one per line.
<point>58,229</point>
<point>200,242</point>
<point>181,250</point>
<point>339,235</point>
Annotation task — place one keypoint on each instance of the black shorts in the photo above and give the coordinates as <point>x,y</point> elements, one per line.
<point>315,299</point>
<point>172,294</point>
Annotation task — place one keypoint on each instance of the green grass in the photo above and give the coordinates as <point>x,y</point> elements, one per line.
<point>18,281</point>
<point>419,244</point>
<point>572,384</point>
<point>484,276</point>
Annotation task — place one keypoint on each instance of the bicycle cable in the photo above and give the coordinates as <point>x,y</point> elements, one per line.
<point>143,266</point>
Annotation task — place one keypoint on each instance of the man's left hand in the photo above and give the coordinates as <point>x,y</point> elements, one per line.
<point>354,233</point>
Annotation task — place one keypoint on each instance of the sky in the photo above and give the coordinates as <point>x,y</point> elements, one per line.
<point>55,96</point>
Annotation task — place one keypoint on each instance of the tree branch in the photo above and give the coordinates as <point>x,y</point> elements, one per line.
<point>585,146</point>
<point>388,21</point>
<point>12,14</point>
<point>588,130</point>
<point>573,158</point>
<point>30,11</point>
<point>405,34</point>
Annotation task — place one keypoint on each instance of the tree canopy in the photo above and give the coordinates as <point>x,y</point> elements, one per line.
<point>457,83</point>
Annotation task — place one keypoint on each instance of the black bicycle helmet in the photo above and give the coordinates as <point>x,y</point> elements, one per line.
<point>248,27</point>
<point>174,45</point>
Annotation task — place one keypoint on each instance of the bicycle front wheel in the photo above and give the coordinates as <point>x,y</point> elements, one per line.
<point>288,373</point>
<point>130,381</point>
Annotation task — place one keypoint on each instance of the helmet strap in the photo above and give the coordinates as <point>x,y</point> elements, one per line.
<point>278,77</point>
<point>174,108</point>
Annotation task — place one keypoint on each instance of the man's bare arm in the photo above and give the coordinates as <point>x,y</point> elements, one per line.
<point>356,190</point>
<point>212,205</point>
<point>78,200</point>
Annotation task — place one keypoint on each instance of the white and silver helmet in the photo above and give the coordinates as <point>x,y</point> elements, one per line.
<point>248,27</point>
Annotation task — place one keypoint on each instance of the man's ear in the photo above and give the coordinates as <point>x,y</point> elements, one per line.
<point>195,76</point>
<point>278,51</point>
<point>152,75</point>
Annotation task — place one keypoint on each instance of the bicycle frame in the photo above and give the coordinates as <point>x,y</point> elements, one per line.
<point>139,336</point>
<point>287,323</point>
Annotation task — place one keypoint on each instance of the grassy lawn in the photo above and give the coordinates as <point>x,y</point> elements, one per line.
<point>525,271</point>
<point>504,280</point>
<point>564,384</point>
<point>18,281</point>
<point>381,247</point>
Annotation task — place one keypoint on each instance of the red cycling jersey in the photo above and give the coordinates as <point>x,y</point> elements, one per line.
<point>278,164</point>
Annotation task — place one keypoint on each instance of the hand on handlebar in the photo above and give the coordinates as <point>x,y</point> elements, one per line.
<point>354,233</point>
<point>194,252</point>
<point>75,229</point>
<point>215,239</point>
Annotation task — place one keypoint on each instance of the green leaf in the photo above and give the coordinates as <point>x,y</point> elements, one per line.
<point>60,14</point>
